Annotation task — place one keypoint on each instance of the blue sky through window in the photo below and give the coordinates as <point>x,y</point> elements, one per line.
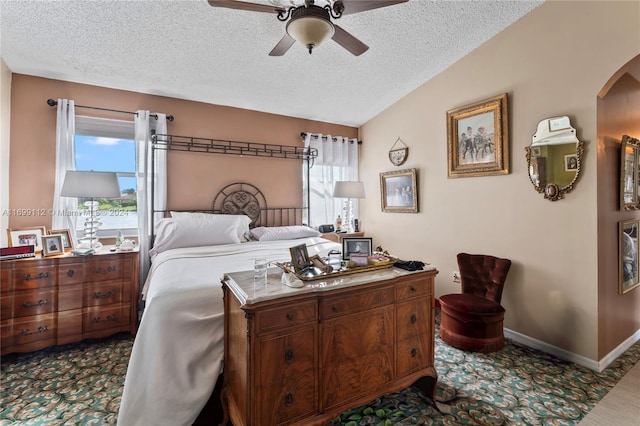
<point>104,154</point>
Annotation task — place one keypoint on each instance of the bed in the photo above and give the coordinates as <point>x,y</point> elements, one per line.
<point>177,354</point>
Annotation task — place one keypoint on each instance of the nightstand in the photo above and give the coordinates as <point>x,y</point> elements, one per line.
<point>338,236</point>
<point>50,301</point>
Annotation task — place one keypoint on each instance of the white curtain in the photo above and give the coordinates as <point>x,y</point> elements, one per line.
<point>65,207</point>
<point>145,123</point>
<point>337,161</point>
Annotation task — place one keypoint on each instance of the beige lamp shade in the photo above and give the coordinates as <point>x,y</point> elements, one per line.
<point>90,185</point>
<point>346,189</point>
<point>310,31</point>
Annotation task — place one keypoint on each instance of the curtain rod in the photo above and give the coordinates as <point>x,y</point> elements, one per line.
<point>52,102</point>
<point>304,135</point>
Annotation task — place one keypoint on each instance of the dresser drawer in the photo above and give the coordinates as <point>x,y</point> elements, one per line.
<point>414,340</point>
<point>286,356</point>
<point>71,273</point>
<point>34,276</point>
<point>106,294</point>
<point>417,286</point>
<point>96,319</point>
<point>6,284</point>
<point>287,400</point>
<point>109,268</point>
<point>30,330</point>
<point>331,307</point>
<point>293,314</point>
<point>28,302</point>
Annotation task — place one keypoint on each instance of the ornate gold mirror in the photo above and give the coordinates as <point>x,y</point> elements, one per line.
<point>554,158</point>
<point>629,156</point>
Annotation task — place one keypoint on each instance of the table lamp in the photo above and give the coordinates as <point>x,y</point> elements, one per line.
<point>90,185</point>
<point>348,190</point>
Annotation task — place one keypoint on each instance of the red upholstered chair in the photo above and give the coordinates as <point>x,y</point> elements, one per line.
<point>472,321</point>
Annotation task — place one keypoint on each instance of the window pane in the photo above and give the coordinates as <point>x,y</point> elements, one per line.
<point>105,154</point>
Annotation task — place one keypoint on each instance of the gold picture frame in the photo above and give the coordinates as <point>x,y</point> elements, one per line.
<point>67,241</point>
<point>629,262</point>
<point>478,138</point>
<point>399,191</point>
<point>31,236</point>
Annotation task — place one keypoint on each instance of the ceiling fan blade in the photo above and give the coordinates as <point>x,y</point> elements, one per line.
<point>355,6</point>
<point>243,5</point>
<point>348,41</point>
<point>283,45</point>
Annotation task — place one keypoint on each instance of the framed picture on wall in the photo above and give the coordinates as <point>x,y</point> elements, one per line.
<point>478,138</point>
<point>628,255</point>
<point>570,163</point>
<point>399,191</point>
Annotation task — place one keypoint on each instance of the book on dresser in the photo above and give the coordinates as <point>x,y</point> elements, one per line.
<point>64,299</point>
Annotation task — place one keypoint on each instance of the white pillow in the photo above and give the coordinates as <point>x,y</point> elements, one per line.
<point>195,230</point>
<point>244,221</point>
<point>283,233</point>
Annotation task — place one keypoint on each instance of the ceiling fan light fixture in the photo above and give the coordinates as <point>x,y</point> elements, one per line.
<point>310,26</point>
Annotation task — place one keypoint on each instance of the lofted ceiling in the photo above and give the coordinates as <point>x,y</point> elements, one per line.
<point>187,49</point>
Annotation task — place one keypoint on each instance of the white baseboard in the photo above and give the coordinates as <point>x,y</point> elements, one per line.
<point>570,356</point>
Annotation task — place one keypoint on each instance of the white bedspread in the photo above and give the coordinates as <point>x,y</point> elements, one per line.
<point>177,353</point>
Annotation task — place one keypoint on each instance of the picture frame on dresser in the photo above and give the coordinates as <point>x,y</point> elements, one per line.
<point>27,237</point>
<point>67,241</point>
<point>52,245</point>
<point>299,257</point>
<point>356,246</point>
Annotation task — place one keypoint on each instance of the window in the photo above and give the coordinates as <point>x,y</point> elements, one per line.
<point>109,146</point>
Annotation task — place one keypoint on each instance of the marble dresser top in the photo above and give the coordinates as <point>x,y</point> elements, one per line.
<point>250,291</point>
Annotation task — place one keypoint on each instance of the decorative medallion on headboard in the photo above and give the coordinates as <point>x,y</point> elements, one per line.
<point>240,198</point>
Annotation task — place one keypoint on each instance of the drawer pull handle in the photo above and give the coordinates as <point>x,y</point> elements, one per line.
<point>334,308</point>
<point>288,355</point>
<point>414,319</point>
<point>40,302</point>
<point>40,329</point>
<point>413,289</point>
<point>99,319</point>
<point>71,273</point>
<point>290,316</point>
<point>40,276</point>
<point>99,295</point>
<point>288,399</point>
<point>106,270</point>
<point>414,352</point>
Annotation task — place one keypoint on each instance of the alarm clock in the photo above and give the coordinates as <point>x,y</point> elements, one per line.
<point>326,228</point>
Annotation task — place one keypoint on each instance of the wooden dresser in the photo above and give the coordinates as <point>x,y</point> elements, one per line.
<point>304,355</point>
<point>58,300</point>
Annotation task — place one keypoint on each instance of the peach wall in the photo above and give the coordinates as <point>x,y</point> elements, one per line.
<point>552,62</point>
<point>5,118</point>
<point>618,115</point>
<point>194,179</point>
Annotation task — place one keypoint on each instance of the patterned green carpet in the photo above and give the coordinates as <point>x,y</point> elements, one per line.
<point>81,384</point>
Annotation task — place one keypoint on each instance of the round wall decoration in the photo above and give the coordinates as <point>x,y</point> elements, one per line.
<point>398,156</point>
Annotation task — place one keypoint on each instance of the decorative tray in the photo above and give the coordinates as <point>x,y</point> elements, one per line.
<point>320,271</point>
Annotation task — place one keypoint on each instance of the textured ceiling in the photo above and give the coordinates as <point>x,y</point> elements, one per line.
<point>190,50</point>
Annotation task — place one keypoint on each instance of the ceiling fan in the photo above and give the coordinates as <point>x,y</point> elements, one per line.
<point>310,24</point>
